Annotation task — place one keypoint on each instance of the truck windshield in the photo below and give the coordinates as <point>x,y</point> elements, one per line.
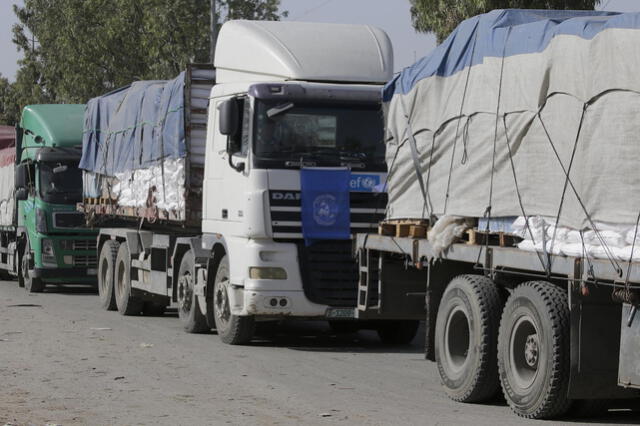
<point>60,182</point>
<point>324,134</point>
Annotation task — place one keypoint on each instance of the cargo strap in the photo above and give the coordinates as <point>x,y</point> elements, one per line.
<point>415,155</point>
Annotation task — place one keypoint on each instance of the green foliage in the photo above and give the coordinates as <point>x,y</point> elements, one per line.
<point>8,109</point>
<point>443,16</point>
<point>77,49</point>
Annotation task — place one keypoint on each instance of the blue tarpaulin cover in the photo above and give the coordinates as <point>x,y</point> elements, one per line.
<point>528,31</point>
<point>325,204</point>
<point>134,127</point>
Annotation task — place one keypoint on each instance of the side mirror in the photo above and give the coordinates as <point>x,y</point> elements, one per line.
<point>22,194</point>
<point>229,117</point>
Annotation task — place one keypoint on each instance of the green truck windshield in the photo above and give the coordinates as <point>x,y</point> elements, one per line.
<point>60,182</point>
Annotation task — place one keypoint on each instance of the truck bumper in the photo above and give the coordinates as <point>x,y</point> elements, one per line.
<point>66,275</point>
<point>284,304</point>
<point>256,296</point>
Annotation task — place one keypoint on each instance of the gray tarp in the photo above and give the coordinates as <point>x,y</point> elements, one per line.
<point>474,103</point>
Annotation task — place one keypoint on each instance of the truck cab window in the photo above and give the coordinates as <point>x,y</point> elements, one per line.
<point>241,138</point>
<point>60,182</point>
<point>328,134</point>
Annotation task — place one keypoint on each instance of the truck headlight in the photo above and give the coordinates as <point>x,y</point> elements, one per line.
<point>48,254</point>
<point>264,273</point>
<point>41,221</point>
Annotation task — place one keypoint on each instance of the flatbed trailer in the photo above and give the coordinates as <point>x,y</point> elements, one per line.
<point>596,343</point>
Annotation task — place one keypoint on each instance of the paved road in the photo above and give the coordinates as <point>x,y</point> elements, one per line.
<point>64,361</point>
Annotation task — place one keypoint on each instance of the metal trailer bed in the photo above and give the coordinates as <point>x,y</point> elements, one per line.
<point>604,342</point>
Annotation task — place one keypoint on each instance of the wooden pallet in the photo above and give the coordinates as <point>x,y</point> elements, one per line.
<point>100,201</point>
<point>476,237</point>
<point>411,228</point>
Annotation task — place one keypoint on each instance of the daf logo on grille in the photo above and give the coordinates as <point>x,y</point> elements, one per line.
<point>285,195</point>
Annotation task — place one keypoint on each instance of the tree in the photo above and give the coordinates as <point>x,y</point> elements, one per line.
<point>442,17</point>
<point>78,49</point>
<point>9,113</point>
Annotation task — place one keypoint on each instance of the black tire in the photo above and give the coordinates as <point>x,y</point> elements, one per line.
<point>127,304</point>
<point>232,329</point>
<point>533,351</point>
<point>5,276</point>
<point>189,311</point>
<point>18,265</point>
<point>400,332</point>
<point>106,275</point>
<point>344,327</point>
<point>466,337</point>
<point>31,283</point>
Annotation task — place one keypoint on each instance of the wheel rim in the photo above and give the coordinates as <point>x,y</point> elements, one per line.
<point>103,276</point>
<point>524,351</point>
<point>457,339</point>
<point>221,303</point>
<point>185,293</point>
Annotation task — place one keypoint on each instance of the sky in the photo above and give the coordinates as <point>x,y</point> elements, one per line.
<point>391,15</point>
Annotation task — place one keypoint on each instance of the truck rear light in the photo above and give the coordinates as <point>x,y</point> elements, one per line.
<point>267,273</point>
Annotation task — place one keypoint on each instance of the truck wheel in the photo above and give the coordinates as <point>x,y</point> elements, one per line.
<point>397,332</point>
<point>126,303</point>
<point>232,329</point>
<point>189,311</point>
<point>106,272</point>
<point>31,283</point>
<point>466,336</point>
<point>5,276</point>
<point>533,350</point>
<point>19,269</point>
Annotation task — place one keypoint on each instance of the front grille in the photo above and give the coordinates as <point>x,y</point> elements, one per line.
<point>367,209</point>
<point>85,260</point>
<point>329,273</point>
<point>84,245</point>
<point>68,220</point>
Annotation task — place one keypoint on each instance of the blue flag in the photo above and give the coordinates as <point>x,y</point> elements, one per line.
<point>325,204</point>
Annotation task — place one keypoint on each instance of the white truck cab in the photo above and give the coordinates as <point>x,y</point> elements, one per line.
<point>288,96</point>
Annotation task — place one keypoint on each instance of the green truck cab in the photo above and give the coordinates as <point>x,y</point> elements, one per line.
<point>52,244</point>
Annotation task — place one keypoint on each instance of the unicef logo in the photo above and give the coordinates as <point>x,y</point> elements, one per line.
<point>364,183</point>
<point>368,183</point>
<point>325,210</point>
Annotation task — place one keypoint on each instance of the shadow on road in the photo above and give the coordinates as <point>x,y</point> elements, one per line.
<point>72,289</point>
<point>316,336</point>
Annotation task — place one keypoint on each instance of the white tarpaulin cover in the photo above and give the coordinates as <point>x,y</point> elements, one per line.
<point>538,95</point>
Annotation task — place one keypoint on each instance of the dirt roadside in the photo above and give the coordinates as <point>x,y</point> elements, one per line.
<point>64,361</point>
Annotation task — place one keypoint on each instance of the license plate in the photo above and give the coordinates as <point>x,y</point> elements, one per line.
<point>92,272</point>
<point>341,313</point>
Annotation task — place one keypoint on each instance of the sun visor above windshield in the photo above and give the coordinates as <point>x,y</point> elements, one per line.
<point>59,154</point>
<point>316,92</point>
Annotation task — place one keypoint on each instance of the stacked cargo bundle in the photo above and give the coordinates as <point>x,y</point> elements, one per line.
<point>144,147</point>
<point>7,174</point>
<point>528,117</point>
